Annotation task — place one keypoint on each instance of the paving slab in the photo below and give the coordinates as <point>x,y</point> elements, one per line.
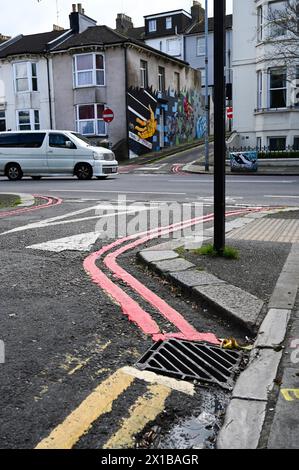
<point>257,381</point>
<point>284,432</point>
<point>235,302</point>
<point>193,278</point>
<point>243,424</point>
<point>169,245</point>
<point>152,256</point>
<point>273,329</point>
<point>175,265</point>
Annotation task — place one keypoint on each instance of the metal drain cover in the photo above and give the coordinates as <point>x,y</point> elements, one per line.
<point>188,360</point>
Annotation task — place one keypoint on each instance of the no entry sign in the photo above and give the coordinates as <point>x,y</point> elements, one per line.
<point>229,113</point>
<point>108,115</point>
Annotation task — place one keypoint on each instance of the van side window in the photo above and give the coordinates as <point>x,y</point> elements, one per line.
<point>26,140</point>
<point>60,141</point>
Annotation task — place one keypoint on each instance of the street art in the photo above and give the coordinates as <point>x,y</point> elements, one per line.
<point>163,119</point>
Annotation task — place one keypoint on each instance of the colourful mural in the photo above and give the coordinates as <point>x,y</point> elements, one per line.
<point>166,119</point>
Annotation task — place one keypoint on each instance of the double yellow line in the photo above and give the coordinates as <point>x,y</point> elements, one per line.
<point>98,403</point>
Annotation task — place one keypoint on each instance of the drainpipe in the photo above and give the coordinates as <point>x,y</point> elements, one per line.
<point>127,102</point>
<point>49,94</point>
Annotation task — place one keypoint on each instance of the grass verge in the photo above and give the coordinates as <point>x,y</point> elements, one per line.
<point>209,250</point>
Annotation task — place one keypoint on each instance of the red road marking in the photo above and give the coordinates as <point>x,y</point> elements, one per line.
<point>51,201</point>
<point>177,169</point>
<point>130,307</point>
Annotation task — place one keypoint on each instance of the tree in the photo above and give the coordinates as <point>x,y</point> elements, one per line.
<point>280,29</point>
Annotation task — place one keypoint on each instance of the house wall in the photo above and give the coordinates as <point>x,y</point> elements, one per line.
<point>198,61</point>
<point>249,57</point>
<point>113,94</point>
<point>11,102</point>
<point>162,119</point>
<point>161,44</point>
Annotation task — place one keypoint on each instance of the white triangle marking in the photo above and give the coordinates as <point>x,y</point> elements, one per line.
<point>82,242</point>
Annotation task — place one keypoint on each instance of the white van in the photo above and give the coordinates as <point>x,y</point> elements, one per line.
<point>53,153</point>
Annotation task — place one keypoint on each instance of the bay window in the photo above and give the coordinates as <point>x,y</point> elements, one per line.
<point>2,121</point>
<point>25,77</point>
<point>90,119</point>
<point>278,88</point>
<point>259,89</point>
<point>278,18</point>
<point>28,120</point>
<point>89,70</point>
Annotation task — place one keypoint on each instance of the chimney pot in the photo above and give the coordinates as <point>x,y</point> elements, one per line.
<point>79,7</point>
<point>74,7</point>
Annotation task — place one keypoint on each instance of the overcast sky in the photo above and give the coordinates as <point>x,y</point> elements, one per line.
<point>31,16</point>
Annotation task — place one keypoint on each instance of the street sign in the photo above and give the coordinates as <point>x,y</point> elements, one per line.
<point>108,115</point>
<point>229,113</point>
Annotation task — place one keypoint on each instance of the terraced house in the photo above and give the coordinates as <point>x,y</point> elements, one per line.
<point>265,65</point>
<point>65,80</point>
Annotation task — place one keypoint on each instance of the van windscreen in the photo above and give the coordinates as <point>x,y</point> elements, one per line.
<point>28,140</point>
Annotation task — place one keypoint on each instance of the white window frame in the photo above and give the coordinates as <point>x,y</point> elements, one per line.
<point>260,78</point>
<point>34,124</point>
<point>143,74</point>
<point>200,51</point>
<point>271,23</point>
<point>277,89</point>
<point>260,23</point>
<point>94,70</point>
<point>94,121</point>
<point>161,78</point>
<point>178,51</point>
<point>276,137</point>
<point>168,22</point>
<point>3,118</point>
<point>152,26</point>
<point>29,76</point>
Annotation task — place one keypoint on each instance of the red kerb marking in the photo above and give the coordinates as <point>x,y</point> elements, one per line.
<point>51,201</point>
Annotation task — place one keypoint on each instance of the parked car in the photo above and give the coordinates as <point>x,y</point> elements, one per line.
<point>53,153</point>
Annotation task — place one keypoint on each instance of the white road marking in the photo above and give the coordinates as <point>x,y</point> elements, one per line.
<point>82,242</point>
<point>285,197</point>
<point>236,181</point>
<point>51,223</point>
<point>117,192</point>
<point>151,377</point>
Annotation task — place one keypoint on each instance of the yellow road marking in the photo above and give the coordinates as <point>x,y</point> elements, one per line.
<point>99,402</point>
<point>290,394</point>
<point>144,410</point>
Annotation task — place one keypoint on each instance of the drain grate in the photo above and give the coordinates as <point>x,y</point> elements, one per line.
<point>186,360</point>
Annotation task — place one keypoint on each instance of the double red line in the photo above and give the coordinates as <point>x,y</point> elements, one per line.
<point>50,201</point>
<point>129,306</point>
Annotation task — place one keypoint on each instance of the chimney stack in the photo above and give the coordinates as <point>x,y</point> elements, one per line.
<point>123,23</point>
<point>197,11</point>
<point>79,22</point>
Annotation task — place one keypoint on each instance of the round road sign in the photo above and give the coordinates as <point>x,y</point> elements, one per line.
<point>108,115</point>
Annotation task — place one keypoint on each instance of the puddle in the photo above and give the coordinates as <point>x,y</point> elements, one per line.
<point>198,431</point>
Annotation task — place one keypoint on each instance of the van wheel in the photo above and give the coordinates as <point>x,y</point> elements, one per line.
<point>36,178</point>
<point>83,171</point>
<point>14,172</point>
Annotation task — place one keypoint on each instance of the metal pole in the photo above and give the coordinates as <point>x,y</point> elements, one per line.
<point>207,85</point>
<point>219,132</point>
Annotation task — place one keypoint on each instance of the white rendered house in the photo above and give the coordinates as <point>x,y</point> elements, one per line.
<point>266,111</point>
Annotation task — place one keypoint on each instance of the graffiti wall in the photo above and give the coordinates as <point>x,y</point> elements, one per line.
<point>158,120</point>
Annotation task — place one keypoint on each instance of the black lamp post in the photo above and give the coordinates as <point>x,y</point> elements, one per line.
<point>219,124</point>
